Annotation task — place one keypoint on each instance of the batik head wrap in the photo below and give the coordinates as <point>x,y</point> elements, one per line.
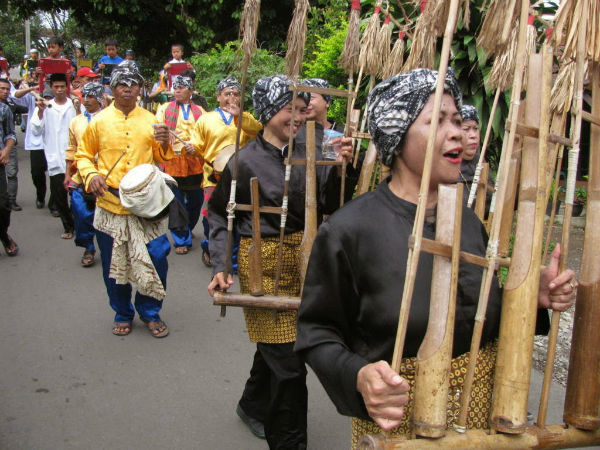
<point>271,94</point>
<point>231,82</point>
<point>184,82</point>
<point>319,82</point>
<point>469,112</point>
<point>126,73</point>
<point>395,103</point>
<point>95,90</point>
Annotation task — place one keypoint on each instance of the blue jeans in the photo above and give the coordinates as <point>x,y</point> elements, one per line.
<point>119,295</point>
<point>192,200</point>
<point>83,217</point>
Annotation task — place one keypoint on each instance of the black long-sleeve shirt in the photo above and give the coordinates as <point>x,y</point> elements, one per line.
<point>351,300</point>
<point>266,162</point>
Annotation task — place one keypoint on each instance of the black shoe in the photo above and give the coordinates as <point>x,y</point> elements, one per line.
<point>54,213</point>
<point>257,427</point>
<point>15,207</point>
<point>39,204</point>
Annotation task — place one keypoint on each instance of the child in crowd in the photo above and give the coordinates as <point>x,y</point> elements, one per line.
<point>112,57</point>
<point>177,54</point>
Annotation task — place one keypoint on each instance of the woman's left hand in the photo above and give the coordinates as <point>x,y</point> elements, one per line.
<point>557,290</point>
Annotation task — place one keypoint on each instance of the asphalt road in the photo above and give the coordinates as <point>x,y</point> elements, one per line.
<point>68,383</point>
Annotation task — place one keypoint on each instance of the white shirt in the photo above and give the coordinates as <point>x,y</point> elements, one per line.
<point>54,129</point>
<point>32,142</point>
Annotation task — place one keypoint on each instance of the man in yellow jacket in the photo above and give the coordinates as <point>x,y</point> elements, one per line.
<point>213,132</point>
<point>122,137</point>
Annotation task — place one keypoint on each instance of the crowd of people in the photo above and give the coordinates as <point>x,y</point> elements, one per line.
<point>127,176</point>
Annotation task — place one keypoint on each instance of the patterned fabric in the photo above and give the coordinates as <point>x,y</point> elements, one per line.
<point>395,103</point>
<point>319,82</point>
<point>481,394</point>
<point>271,94</point>
<point>184,82</point>
<point>95,90</point>
<point>172,113</point>
<point>231,82</point>
<point>126,73</point>
<point>264,325</point>
<point>131,262</point>
<point>469,112</point>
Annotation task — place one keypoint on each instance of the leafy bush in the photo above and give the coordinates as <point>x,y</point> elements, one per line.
<point>224,60</point>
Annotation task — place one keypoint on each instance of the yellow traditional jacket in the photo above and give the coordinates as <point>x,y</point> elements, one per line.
<point>76,129</point>
<point>211,134</point>
<point>111,135</point>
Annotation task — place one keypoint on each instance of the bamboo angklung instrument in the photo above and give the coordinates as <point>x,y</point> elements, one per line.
<point>576,116</point>
<point>492,248</point>
<point>414,251</point>
<point>519,302</point>
<point>248,26</point>
<point>255,250</point>
<point>310,201</point>
<point>582,400</point>
<point>553,437</point>
<point>432,374</point>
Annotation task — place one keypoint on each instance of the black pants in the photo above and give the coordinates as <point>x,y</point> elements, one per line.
<point>4,206</point>
<point>61,201</point>
<point>276,395</point>
<point>38,172</point>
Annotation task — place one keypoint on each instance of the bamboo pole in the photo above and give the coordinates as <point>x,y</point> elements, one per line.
<point>255,251</point>
<point>486,141</point>
<point>582,399</point>
<point>519,302</point>
<point>413,254</point>
<point>569,197</point>
<point>310,202</point>
<point>492,248</point>
<point>432,376</point>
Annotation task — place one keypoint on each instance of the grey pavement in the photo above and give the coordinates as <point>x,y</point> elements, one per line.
<point>68,383</point>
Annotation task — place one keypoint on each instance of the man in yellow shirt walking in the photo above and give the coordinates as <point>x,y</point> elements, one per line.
<point>180,116</point>
<point>122,138</point>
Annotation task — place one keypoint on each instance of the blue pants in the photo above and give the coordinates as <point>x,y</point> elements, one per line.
<point>192,200</point>
<point>119,295</point>
<point>84,221</point>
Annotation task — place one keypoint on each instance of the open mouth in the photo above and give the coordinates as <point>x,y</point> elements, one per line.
<point>454,156</point>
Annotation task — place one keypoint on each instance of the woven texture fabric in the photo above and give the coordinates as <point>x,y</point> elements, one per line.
<point>481,394</point>
<point>265,325</point>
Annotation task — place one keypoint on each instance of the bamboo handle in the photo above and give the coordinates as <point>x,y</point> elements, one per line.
<point>255,250</point>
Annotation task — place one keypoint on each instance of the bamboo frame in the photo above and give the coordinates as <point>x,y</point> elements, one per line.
<point>489,272</point>
<point>310,203</point>
<point>582,399</point>
<point>576,115</point>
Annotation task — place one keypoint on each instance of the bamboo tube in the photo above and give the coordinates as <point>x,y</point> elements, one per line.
<point>519,302</point>
<point>255,250</point>
<point>508,208</point>
<point>492,248</point>
<point>576,115</point>
<point>367,168</point>
<point>582,399</point>
<point>413,254</point>
<point>482,193</point>
<point>553,437</point>
<point>265,301</point>
<point>432,376</point>
<point>486,141</point>
<point>310,202</point>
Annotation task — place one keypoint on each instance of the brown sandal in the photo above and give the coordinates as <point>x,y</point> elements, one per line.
<point>121,328</point>
<point>87,259</point>
<point>156,328</point>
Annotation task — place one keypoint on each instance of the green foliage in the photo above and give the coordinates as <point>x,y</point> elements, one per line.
<point>580,195</point>
<point>221,61</point>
